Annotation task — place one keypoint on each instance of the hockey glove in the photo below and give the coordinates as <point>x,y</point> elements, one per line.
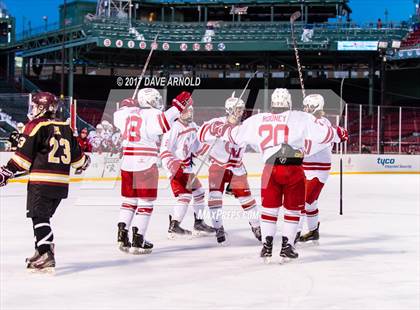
<point>342,134</point>
<point>182,101</point>
<point>86,164</point>
<point>5,175</point>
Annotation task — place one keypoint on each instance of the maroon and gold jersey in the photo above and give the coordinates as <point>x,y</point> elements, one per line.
<point>47,149</point>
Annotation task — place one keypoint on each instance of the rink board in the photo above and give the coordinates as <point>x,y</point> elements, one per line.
<point>106,167</point>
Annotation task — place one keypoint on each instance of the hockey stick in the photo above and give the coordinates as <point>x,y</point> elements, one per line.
<point>341,151</point>
<point>293,18</point>
<point>207,156</point>
<point>145,67</point>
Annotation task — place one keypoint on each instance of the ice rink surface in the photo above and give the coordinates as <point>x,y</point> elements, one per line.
<point>368,258</point>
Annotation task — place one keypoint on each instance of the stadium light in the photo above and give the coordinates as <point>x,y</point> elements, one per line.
<point>396,44</point>
<point>382,45</point>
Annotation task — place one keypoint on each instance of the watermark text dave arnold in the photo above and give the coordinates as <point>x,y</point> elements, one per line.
<point>159,81</point>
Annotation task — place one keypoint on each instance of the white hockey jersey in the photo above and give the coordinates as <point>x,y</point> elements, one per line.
<point>96,139</point>
<point>180,143</point>
<point>223,153</point>
<point>267,131</point>
<point>141,130</point>
<point>317,160</point>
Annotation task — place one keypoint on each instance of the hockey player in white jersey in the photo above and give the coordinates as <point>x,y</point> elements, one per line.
<point>178,147</point>
<point>96,138</point>
<point>280,136</point>
<point>141,123</point>
<point>317,165</point>
<point>227,167</point>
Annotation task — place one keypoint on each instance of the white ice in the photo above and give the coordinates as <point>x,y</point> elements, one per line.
<point>368,258</point>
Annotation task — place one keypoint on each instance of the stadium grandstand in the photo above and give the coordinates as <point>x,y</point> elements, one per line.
<point>374,67</point>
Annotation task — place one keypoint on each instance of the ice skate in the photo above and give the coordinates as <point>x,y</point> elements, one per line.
<point>123,242</point>
<point>33,257</point>
<point>36,255</point>
<point>221,236</point>
<point>43,264</point>
<point>175,231</point>
<point>139,245</point>
<point>312,235</point>
<point>201,228</point>
<point>287,252</point>
<point>256,231</point>
<point>267,249</point>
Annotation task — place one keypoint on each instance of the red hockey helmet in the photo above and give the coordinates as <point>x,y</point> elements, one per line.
<point>129,102</point>
<point>42,103</point>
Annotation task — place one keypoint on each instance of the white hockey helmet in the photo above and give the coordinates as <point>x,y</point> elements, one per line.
<point>106,125</point>
<point>281,98</point>
<point>313,103</point>
<point>232,103</point>
<point>149,98</point>
<point>99,127</point>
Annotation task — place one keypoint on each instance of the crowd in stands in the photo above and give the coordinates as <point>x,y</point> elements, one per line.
<point>106,138</point>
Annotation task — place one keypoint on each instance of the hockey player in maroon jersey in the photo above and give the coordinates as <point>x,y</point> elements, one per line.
<point>142,122</point>
<point>178,147</point>
<point>46,151</point>
<point>227,168</point>
<point>280,136</point>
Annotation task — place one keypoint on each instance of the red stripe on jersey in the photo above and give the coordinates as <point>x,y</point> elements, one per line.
<point>165,155</point>
<point>328,137</point>
<point>203,132</point>
<point>270,218</point>
<point>317,168</point>
<point>203,149</point>
<point>159,117</point>
<point>139,154</point>
<point>165,122</point>
<point>315,164</point>
<point>230,163</point>
<point>291,218</point>
<point>186,131</point>
<point>140,148</point>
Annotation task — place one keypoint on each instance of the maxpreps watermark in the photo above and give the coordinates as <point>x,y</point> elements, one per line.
<point>159,81</point>
<point>228,214</point>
